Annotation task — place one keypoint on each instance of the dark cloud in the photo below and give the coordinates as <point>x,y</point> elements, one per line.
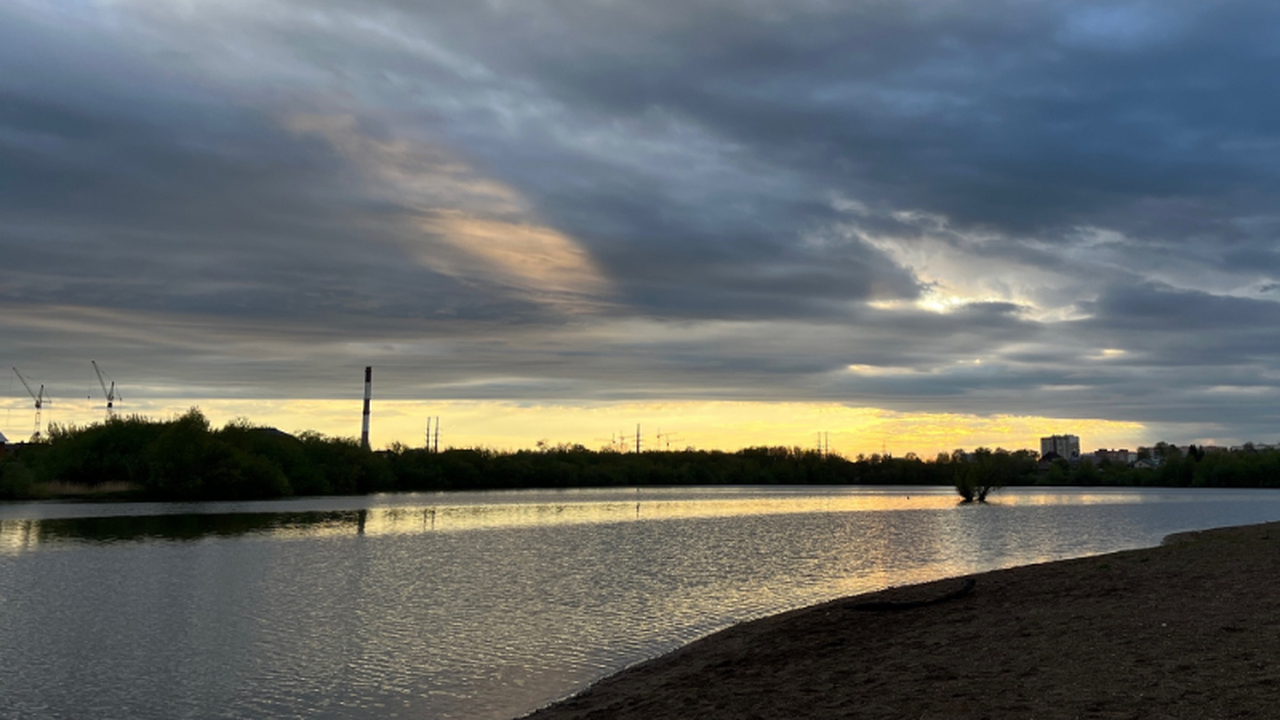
<point>1012,116</point>
<point>983,206</point>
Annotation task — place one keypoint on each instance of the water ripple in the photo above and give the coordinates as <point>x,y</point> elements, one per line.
<point>509,602</point>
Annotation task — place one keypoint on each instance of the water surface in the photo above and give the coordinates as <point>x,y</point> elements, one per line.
<point>480,605</point>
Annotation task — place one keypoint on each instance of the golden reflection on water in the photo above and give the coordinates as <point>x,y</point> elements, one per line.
<point>475,517</point>
<point>17,535</point>
<point>1081,497</point>
<point>614,506</point>
<point>26,534</point>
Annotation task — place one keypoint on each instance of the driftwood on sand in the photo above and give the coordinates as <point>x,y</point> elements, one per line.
<point>965,588</point>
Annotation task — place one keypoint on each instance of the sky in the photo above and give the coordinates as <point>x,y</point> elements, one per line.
<point>911,225</point>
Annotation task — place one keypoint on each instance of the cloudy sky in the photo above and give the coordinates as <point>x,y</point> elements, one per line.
<point>914,224</point>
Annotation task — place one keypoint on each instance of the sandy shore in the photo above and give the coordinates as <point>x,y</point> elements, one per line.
<point>1190,629</point>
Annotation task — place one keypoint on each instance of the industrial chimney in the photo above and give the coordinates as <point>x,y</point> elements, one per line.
<point>368,393</point>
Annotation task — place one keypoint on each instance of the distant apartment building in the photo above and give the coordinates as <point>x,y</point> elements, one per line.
<point>1064,446</point>
<point>1118,457</point>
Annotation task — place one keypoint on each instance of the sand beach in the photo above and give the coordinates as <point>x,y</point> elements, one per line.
<point>1189,629</point>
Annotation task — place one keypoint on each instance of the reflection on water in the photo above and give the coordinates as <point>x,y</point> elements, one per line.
<point>479,605</point>
<point>19,534</point>
<point>26,534</point>
<point>493,510</point>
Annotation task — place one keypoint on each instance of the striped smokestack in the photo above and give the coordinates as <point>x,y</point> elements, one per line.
<point>368,394</point>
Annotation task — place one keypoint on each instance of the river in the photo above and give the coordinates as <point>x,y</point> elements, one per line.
<point>481,606</point>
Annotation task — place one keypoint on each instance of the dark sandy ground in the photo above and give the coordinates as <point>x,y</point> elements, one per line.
<point>1190,629</point>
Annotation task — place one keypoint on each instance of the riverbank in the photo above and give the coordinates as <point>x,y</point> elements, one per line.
<point>1190,629</point>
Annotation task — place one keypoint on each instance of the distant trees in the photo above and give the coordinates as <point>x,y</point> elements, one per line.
<point>16,480</point>
<point>184,458</point>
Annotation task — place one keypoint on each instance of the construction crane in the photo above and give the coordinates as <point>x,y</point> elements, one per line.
<point>38,397</point>
<point>109,394</point>
<point>667,438</point>
<point>617,443</point>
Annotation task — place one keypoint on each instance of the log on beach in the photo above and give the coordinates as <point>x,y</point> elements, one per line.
<point>1190,629</point>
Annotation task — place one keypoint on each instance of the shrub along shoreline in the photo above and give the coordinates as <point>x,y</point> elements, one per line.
<point>184,458</point>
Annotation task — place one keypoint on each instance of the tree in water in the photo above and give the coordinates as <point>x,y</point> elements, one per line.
<point>988,470</point>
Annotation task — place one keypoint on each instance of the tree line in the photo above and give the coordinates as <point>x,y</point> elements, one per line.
<point>185,458</point>
<point>1247,467</point>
